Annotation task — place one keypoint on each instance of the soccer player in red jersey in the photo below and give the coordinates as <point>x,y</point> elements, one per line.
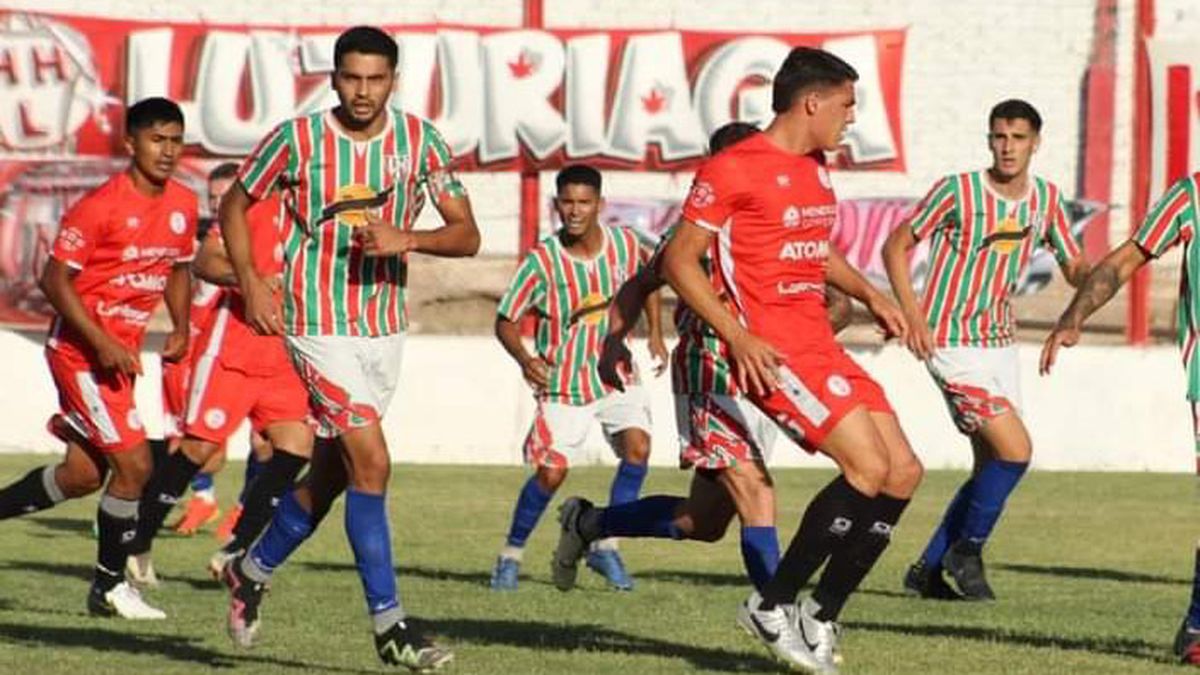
<point>120,249</point>
<point>768,205</point>
<point>355,177</point>
<point>984,226</point>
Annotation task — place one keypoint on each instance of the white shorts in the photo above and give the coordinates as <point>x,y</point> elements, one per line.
<point>718,431</point>
<point>350,379</point>
<point>978,383</point>
<point>560,431</point>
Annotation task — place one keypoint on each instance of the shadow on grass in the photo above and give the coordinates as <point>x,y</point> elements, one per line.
<point>1112,646</point>
<point>170,647</point>
<point>80,526</point>
<point>85,572</point>
<point>1090,573</point>
<point>537,635</point>
<point>481,578</point>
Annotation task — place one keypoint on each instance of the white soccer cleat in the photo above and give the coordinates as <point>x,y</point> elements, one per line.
<point>778,631</point>
<point>139,570</point>
<point>124,601</point>
<point>821,637</point>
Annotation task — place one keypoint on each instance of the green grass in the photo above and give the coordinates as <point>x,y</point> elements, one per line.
<point>1093,572</point>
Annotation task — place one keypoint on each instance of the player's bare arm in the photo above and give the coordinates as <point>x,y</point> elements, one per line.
<point>533,368</point>
<point>1100,286</point>
<point>212,263</point>
<point>457,238</point>
<point>654,335</point>
<point>262,311</point>
<point>756,359</point>
<point>837,304</point>
<point>56,283</point>
<point>854,284</point>
<point>896,252</point>
<point>1076,271</point>
<point>622,317</point>
<point>178,298</point>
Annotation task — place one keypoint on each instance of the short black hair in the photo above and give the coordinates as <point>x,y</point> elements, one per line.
<point>807,67</point>
<point>577,174</point>
<point>366,40</point>
<point>150,111</point>
<point>223,170</point>
<point>1016,109</point>
<point>729,134</point>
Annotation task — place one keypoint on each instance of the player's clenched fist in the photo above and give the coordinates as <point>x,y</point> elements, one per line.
<point>379,238</point>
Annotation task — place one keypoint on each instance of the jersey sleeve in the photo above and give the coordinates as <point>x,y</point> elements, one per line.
<point>933,210</point>
<point>192,216</point>
<point>1172,220</point>
<point>526,291</point>
<point>267,162</point>
<point>435,169</point>
<point>713,197</point>
<point>78,234</point>
<point>1058,237</point>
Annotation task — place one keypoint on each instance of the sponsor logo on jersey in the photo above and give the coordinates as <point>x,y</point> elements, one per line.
<point>71,239</point>
<point>1007,237</point>
<point>131,252</point>
<point>129,314</point>
<point>783,180</point>
<point>804,250</point>
<point>798,287</point>
<point>140,281</point>
<point>352,202</point>
<point>591,310</point>
<point>791,217</point>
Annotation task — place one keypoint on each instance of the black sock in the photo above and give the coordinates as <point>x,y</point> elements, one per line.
<point>263,494</point>
<point>116,522</point>
<point>37,491</point>
<point>823,530</point>
<point>167,482</point>
<point>850,565</point>
<point>159,452</point>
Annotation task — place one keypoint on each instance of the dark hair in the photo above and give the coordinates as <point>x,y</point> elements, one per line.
<point>150,111</point>
<point>807,67</point>
<point>577,174</point>
<point>1016,109</point>
<point>223,170</point>
<point>729,134</point>
<point>366,40</point>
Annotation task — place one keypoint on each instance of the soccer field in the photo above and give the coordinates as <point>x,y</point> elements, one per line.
<point>1092,570</point>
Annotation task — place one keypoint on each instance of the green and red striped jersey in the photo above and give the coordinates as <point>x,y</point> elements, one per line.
<point>569,297</point>
<point>981,244</point>
<point>329,181</point>
<point>1173,220</point>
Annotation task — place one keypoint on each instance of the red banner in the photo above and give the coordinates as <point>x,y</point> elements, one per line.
<point>619,98</point>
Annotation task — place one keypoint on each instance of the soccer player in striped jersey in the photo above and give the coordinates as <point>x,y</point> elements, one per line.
<point>354,178</point>
<point>721,434</point>
<point>1174,220</point>
<point>568,282</point>
<point>984,226</point>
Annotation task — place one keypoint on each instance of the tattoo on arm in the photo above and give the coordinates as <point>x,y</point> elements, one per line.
<point>1100,286</point>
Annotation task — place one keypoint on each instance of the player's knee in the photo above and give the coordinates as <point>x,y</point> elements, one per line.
<point>711,531</point>
<point>905,474</point>
<point>869,472</point>
<point>637,446</point>
<point>78,483</point>
<point>371,472</point>
<point>549,478</point>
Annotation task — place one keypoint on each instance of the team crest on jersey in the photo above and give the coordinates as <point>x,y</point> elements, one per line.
<point>791,217</point>
<point>133,420</point>
<point>214,418</point>
<point>702,195</point>
<point>397,166</point>
<point>591,311</point>
<point>132,222</point>
<point>838,386</point>
<point>1007,237</point>
<point>783,180</point>
<point>178,222</point>
<point>823,178</point>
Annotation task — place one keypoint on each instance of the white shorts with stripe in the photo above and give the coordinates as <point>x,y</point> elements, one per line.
<point>978,383</point>
<point>559,430</point>
<point>350,379</point>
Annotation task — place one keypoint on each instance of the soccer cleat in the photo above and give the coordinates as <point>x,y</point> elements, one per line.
<point>403,645</point>
<point>964,562</point>
<point>139,570</point>
<point>198,513</point>
<point>245,596</point>
<point>608,564</point>
<point>564,565</point>
<point>504,574</point>
<point>779,632</point>
<point>923,582</point>
<point>225,530</point>
<point>820,637</point>
<point>218,560</point>
<point>122,600</point>
<point>1187,644</point>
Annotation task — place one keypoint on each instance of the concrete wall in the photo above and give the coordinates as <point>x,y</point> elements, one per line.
<point>462,401</point>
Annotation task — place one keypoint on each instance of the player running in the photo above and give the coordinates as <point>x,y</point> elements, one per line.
<point>1173,220</point>
<point>984,227</point>
<point>120,249</point>
<point>354,178</point>
<point>567,282</point>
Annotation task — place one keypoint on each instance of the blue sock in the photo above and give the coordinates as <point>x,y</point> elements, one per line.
<point>950,529</point>
<point>627,483</point>
<point>530,506</point>
<point>760,554</point>
<point>1193,615</point>
<point>253,468</point>
<point>646,517</point>
<point>289,527</point>
<point>367,529</point>
<point>994,482</point>
<point>202,481</point>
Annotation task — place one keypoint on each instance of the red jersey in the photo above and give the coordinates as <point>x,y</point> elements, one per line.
<point>123,244</point>
<point>773,212</point>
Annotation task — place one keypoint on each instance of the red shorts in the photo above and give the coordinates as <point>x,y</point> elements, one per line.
<point>174,396</point>
<point>97,404</point>
<point>221,397</point>
<point>816,390</point>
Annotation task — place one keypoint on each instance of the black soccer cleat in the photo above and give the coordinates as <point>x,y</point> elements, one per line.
<point>923,582</point>
<point>564,564</point>
<point>1187,644</point>
<point>964,562</point>
<point>403,645</point>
